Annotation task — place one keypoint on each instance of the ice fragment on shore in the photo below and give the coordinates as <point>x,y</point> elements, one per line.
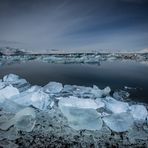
<point>38,99</point>
<point>53,87</point>
<point>82,118</point>
<point>9,91</point>
<point>119,122</point>
<point>115,106</point>
<point>23,120</point>
<point>77,102</point>
<point>139,112</point>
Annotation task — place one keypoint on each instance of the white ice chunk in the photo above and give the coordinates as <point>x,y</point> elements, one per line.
<point>2,85</point>
<point>77,102</point>
<point>115,106</point>
<point>82,118</point>
<point>9,91</point>
<point>53,87</point>
<point>11,78</point>
<point>23,120</point>
<point>139,112</point>
<point>34,88</point>
<point>38,99</point>
<point>119,122</point>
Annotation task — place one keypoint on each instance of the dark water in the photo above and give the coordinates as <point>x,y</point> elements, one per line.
<point>113,74</point>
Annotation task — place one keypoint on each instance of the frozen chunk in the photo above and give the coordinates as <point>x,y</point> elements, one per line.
<point>2,85</point>
<point>121,95</point>
<point>10,106</point>
<point>82,118</point>
<point>99,102</point>
<point>115,106</point>
<point>9,91</point>
<point>16,81</point>
<point>53,87</point>
<point>119,122</point>
<point>34,88</point>
<point>139,112</point>
<point>23,120</point>
<point>77,102</point>
<point>38,99</point>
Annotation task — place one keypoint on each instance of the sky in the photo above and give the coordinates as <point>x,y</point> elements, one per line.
<point>74,25</point>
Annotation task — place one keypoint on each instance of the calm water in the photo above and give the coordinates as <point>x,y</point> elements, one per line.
<point>113,74</point>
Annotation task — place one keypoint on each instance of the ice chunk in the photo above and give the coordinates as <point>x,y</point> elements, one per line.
<point>2,85</point>
<point>38,99</point>
<point>77,102</point>
<point>119,122</point>
<point>121,95</point>
<point>34,88</point>
<point>10,106</point>
<point>53,87</point>
<point>9,91</point>
<point>16,81</point>
<point>115,106</point>
<point>99,102</point>
<point>139,112</point>
<point>23,120</point>
<point>82,118</point>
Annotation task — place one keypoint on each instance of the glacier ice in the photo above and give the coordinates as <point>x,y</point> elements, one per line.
<point>77,102</point>
<point>119,122</point>
<point>38,99</point>
<point>82,118</point>
<point>53,87</point>
<point>139,112</point>
<point>9,91</point>
<point>16,81</point>
<point>115,106</point>
<point>9,105</point>
<point>23,120</point>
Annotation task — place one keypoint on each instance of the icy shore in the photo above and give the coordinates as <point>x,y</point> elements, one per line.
<point>68,116</point>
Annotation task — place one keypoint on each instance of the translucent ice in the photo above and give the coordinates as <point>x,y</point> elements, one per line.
<point>82,118</point>
<point>23,120</point>
<point>53,87</point>
<point>9,91</point>
<point>10,106</point>
<point>77,102</point>
<point>38,99</point>
<point>16,81</point>
<point>119,122</point>
<point>115,106</point>
<point>139,112</point>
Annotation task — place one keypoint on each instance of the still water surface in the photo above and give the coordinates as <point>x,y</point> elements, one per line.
<point>113,74</point>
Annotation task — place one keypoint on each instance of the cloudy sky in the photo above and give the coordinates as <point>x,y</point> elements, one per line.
<point>74,24</point>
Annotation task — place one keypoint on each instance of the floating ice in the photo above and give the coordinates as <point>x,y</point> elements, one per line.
<point>139,112</point>
<point>121,95</point>
<point>115,106</point>
<point>119,122</point>
<point>82,118</point>
<point>53,87</point>
<point>23,120</point>
<point>38,99</point>
<point>9,91</point>
<point>77,102</point>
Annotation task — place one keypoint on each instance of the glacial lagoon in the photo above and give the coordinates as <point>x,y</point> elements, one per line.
<point>128,75</point>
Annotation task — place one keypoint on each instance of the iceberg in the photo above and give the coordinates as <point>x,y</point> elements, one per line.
<point>53,87</point>
<point>9,91</point>
<point>119,122</point>
<point>115,106</point>
<point>139,112</point>
<point>82,118</point>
